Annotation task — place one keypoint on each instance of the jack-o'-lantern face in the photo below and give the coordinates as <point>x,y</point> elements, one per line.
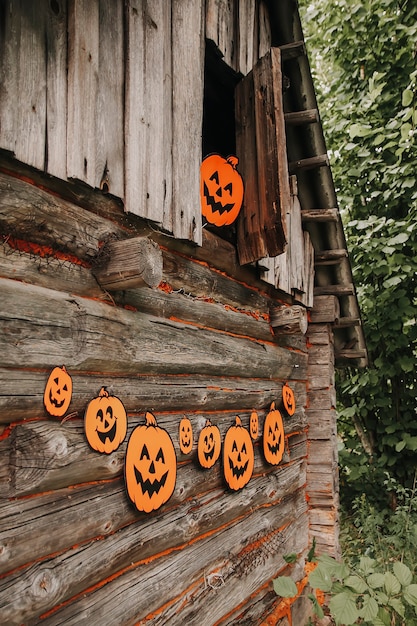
<point>254,425</point>
<point>209,445</point>
<point>273,437</point>
<point>238,456</point>
<point>150,466</point>
<point>185,436</point>
<point>288,399</point>
<point>58,392</point>
<point>105,422</point>
<point>221,189</point>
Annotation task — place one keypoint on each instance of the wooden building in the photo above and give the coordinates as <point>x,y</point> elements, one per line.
<point>110,278</point>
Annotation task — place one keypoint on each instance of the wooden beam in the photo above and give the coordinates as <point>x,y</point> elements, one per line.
<point>320,215</point>
<point>330,257</point>
<point>350,354</point>
<point>346,322</point>
<point>326,309</point>
<point>288,320</point>
<point>129,264</point>
<point>334,290</point>
<point>292,50</point>
<point>297,118</point>
<point>308,164</point>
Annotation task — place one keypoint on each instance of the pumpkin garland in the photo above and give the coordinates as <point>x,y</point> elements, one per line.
<point>185,435</point>
<point>288,399</point>
<point>273,436</point>
<point>209,445</point>
<point>58,392</point>
<point>238,456</point>
<point>150,466</point>
<point>221,189</point>
<point>105,422</point>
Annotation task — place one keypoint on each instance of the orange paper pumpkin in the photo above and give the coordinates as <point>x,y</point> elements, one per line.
<point>150,466</point>
<point>273,437</point>
<point>288,399</point>
<point>254,425</point>
<point>185,436</point>
<point>209,445</point>
<point>221,189</point>
<point>105,422</point>
<point>238,456</point>
<point>58,392</point>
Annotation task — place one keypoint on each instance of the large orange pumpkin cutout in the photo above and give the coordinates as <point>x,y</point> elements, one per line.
<point>254,425</point>
<point>185,436</point>
<point>58,392</point>
<point>150,466</point>
<point>273,437</point>
<point>221,189</point>
<point>238,456</point>
<point>288,399</point>
<point>105,422</point>
<point>209,445</point>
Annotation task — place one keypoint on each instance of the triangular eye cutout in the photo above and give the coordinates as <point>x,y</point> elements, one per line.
<point>229,188</point>
<point>215,177</point>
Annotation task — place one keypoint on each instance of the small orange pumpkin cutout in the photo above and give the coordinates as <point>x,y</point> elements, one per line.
<point>150,466</point>
<point>58,392</point>
<point>254,425</point>
<point>185,435</point>
<point>209,445</point>
<point>238,456</point>
<point>221,189</point>
<point>105,422</point>
<point>288,399</point>
<point>273,436</point>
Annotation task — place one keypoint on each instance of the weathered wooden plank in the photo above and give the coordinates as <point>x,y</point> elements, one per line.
<point>264,29</point>
<point>321,424</point>
<point>187,113</point>
<point>334,290</point>
<point>298,118</point>
<point>56,93</point>
<point>310,163</point>
<point>83,68</point>
<point>220,27</point>
<point>9,74</point>
<point>254,557</point>
<point>22,392</point>
<point>109,131</point>
<point>325,309</point>
<point>24,538</point>
<point>320,215</point>
<point>246,29</point>
<point>40,455</point>
<point>289,319</point>
<point>74,327</point>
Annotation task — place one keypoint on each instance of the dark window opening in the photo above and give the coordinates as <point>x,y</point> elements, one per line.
<point>219,104</point>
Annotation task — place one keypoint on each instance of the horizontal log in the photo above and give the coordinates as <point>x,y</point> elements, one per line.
<point>347,322</point>
<point>292,50</point>
<point>334,290</point>
<point>320,215</point>
<point>309,163</point>
<point>22,392</point>
<point>128,264</point>
<point>330,257</point>
<point>349,355</point>
<point>298,118</point>
<point>145,591</point>
<point>43,328</point>
<point>288,319</point>
<point>44,455</point>
<point>106,511</point>
<point>326,309</point>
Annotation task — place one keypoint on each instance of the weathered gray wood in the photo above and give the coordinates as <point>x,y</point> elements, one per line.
<point>22,396</point>
<point>334,290</point>
<point>246,28</point>
<point>9,73</point>
<point>298,118</point>
<point>289,319</point>
<point>264,30</point>
<point>190,568</point>
<point>309,272</point>
<point>56,93</point>
<point>40,455</point>
<point>83,68</point>
<point>320,215</point>
<point>106,510</point>
<point>293,50</point>
<point>309,163</point>
<point>325,309</point>
<point>129,264</point>
<point>350,354</point>
<point>220,28</point>
<point>187,111</point>
<point>109,130</point>
<point>330,257</point>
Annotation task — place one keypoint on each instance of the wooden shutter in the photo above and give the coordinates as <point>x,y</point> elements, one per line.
<point>261,149</point>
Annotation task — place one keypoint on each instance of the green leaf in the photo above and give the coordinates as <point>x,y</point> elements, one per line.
<point>407,97</point>
<point>320,578</point>
<point>397,605</point>
<point>343,608</point>
<point>369,608</point>
<point>400,446</point>
<point>285,587</point>
<point>317,608</point>
<point>290,558</point>
<point>391,583</point>
<point>366,565</point>
<point>375,581</point>
<point>403,573</point>
<point>410,594</point>
<point>356,583</point>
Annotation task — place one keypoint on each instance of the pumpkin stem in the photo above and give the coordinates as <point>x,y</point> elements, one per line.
<point>208,423</point>
<point>233,161</point>
<point>272,408</point>
<point>103,393</point>
<point>150,419</point>
<point>238,421</point>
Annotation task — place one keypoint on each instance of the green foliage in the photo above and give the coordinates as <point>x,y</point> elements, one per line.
<point>364,64</point>
<point>363,595</point>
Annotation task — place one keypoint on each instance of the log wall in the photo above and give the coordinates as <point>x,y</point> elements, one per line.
<point>72,547</point>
